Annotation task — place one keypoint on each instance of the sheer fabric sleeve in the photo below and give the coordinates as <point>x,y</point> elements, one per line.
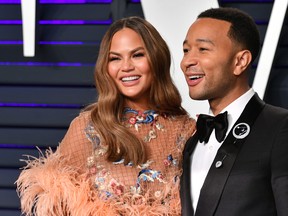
<point>47,184</point>
<point>75,146</point>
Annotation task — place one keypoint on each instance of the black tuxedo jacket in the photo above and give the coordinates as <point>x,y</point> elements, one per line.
<point>253,177</point>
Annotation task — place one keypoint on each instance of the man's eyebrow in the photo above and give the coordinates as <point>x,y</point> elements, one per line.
<point>200,40</point>
<point>203,40</point>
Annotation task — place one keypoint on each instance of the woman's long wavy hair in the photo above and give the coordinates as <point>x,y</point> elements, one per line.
<point>107,112</point>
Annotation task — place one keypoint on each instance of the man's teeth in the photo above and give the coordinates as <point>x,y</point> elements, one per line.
<point>130,78</point>
<point>194,77</point>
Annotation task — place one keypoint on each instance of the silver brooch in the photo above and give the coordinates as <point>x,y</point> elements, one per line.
<point>241,130</point>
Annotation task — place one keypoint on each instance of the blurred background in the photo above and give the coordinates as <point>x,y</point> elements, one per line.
<point>39,96</point>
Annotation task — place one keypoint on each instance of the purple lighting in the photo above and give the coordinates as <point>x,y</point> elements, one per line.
<point>61,42</point>
<point>10,22</point>
<point>247,1</point>
<point>11,42</point>
<point>10,1</point>
<point>13,146</point>
<point>73,1</point>
<point>18,146</point>
<point>51,42</point>
<point>48,64</point>
<point>71,106</point>
<point>60,22</point>
<point>68,42</point>
<point>75,22</point>
<point>59,1</point>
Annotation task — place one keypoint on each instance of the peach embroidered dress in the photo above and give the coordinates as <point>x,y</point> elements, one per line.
<point>77,180</point>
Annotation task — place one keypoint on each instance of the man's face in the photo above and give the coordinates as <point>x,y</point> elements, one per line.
<point>209,59</point>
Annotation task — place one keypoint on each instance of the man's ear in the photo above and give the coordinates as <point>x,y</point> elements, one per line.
<point>243,60</point>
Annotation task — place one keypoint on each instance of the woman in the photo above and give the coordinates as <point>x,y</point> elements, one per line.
<point>122,155</point>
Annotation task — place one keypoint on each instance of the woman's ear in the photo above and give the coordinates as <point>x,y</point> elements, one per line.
<point>243,60</point>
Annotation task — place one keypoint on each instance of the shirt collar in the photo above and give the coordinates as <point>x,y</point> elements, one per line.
<point>235,108</point>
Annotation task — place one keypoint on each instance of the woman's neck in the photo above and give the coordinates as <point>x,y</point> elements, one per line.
<point>137,106</point>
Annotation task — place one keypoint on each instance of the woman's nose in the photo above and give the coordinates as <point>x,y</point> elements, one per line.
<point>127,65</point>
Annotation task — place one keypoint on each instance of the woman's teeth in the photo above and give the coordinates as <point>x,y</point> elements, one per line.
<point>131,78</point>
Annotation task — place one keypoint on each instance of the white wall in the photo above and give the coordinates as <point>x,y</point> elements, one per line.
<point>172,18</point>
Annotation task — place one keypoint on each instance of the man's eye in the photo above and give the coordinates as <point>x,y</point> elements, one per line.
<point>203,49</point>
<point>185,50</point>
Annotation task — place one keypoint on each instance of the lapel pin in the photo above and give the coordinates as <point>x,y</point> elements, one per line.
<point>218,164</point>
<point>241,130</point>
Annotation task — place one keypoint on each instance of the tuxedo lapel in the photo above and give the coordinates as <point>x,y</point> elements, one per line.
<point>185,182</point>
<point>220,169</point>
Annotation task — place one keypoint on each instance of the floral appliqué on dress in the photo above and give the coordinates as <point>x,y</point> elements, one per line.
<point>106,184</point>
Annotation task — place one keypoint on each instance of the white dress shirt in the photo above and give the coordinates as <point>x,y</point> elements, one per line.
<point>204,154</point>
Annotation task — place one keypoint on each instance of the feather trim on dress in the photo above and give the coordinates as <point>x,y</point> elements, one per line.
<point>49,186</point>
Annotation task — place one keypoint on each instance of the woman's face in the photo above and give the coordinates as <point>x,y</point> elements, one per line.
<point>129,66</point>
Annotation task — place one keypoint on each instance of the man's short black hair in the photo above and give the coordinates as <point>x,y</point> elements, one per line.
<point>243,29</point>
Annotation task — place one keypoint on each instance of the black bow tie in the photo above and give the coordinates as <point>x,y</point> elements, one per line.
<point>206,124</point>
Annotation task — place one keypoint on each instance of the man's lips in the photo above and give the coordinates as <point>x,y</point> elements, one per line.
<point>193,80</point>
<point>195,77</point>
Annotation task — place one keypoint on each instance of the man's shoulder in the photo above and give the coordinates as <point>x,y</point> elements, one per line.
<point>275,110</point>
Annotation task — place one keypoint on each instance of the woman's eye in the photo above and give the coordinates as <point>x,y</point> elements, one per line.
<point>113,58</point>
<point>138,55</point>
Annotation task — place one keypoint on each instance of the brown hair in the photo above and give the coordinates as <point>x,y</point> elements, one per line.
<point>107,112</point>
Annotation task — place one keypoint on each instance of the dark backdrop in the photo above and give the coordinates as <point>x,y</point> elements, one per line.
<point>39,96</point>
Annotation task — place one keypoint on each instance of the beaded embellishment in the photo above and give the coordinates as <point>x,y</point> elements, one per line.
<point>134,118</point>
<point>102,177</point>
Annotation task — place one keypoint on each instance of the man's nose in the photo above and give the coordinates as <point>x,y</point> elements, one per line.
<point>189,59</point>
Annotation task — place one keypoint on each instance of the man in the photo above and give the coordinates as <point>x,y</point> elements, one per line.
<point>242,169</point>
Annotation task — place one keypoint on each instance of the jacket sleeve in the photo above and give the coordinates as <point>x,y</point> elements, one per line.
<point>279,168</point>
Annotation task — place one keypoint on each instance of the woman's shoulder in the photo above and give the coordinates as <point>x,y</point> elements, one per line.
<point>78,128</point>
<point>184,119</point>
<point>83,118</point>
<point>84,115</point>
<point>184,124</point>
